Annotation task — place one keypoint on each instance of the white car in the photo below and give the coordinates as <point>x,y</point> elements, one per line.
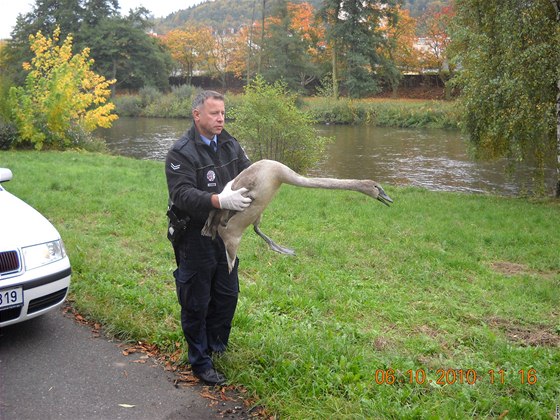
<point>34,268</point>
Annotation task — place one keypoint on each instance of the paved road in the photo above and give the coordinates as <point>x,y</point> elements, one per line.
<point>52,367</point>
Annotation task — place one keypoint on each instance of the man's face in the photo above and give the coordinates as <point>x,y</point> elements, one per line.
<point>209,117</point>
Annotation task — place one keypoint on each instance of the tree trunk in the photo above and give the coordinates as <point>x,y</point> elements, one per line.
<point>556,5</point>
<point>259,66</point>
<point>558,139</point>
<point>334,73</point>
<point>114,77</point>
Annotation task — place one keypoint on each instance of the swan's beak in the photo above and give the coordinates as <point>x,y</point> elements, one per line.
<point>383,197</point>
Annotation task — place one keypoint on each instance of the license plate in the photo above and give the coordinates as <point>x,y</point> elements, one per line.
<point>11,297</point>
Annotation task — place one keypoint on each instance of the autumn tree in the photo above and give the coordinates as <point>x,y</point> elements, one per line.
<point>399,48</point>
<point>62,98</point>
<point>242,54</point>
<point>311,34</point>
<point>222,56</point>
<point>435,29</point>
<point>510,78</point>
<point>191,49</point>
<point>286,51</point>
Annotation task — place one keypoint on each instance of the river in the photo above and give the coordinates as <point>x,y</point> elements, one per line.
<point>429,158</point>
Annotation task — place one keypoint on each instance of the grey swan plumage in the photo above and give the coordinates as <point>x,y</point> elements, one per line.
<point>263,179</point>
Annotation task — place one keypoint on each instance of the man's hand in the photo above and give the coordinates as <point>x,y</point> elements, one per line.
<point>233,200</point>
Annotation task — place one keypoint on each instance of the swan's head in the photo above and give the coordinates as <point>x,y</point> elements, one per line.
<point>382,196</point>
<point>373,189</point>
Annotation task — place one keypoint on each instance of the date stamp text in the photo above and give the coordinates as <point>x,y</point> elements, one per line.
<point>455,376</point>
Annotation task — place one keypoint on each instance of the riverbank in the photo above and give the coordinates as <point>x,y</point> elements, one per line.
<point>387,312</point>
<point>383,112</point>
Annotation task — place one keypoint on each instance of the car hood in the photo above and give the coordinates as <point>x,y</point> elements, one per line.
<point>21,225</point>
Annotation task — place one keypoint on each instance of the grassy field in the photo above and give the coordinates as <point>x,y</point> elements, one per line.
<point>383,313</point>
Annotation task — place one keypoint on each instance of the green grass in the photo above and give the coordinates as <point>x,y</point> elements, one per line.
<point>439,281</point>
<point>401,113</point>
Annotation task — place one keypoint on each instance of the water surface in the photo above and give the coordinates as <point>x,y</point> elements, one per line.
<point>434,159</point>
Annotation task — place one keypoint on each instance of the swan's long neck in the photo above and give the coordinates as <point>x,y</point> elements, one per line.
<point>293,178</point>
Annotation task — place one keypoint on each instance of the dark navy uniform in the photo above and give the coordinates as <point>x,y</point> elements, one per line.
<point>206,290</point>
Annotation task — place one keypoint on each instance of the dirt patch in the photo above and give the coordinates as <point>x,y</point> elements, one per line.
<point>509,268</point>
<point>527,335</point>
<point>513,269</point>
<point>381,343</point>
<point>424,329</point>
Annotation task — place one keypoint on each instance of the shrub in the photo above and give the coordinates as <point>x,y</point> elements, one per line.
<point>8,135</point>
<point>128,105</point>
<point>60,93</point>
<point>184,92</point>
<point>149,95</point>
<point>270,126</point>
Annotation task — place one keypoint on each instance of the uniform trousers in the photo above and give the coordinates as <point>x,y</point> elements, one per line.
<point>207,294</point>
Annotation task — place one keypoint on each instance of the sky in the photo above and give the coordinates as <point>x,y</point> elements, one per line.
<point>10,9</point>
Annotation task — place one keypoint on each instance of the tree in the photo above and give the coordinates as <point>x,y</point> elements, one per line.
<point>311,34</point>
<point>121,47</point>
<point>272,127</point>
<point>242,54</point>
<point>191,49</point>
<point>435,30</point>
<point>62,97</point>
<point>125,52</point>
<point>399,48</point>
<point>46,16</point>
<point>288,45</point>
<point>353,30</point>
<point>510,78</point>
<point>222,56</point>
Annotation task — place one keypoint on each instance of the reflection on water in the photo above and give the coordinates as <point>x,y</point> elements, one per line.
<point>144,138</point>
<point>432,159</point>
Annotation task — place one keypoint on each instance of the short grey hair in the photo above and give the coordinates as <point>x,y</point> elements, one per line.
<point>200,98</point>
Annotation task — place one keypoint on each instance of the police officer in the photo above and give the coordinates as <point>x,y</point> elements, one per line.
<point>200,168</point>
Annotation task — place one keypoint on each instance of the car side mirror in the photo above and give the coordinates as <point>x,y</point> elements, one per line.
<point>5,174</point>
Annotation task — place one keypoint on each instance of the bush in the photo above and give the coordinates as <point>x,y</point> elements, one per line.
<point>150,102</point>
<point>60,92</point>
<point>270,126</point>
<point>184,92</point>
<point>8,135</point>
<point>149,95</point>
<point>128,105</point>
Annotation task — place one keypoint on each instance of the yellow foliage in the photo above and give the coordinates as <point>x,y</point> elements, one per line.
<point>62,97</point>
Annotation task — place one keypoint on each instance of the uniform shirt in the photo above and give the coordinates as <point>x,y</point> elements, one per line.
<point>194,172</point>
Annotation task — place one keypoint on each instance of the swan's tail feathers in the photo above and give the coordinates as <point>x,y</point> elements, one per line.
<point>211,226</point>
<point>230,260</point>
<point>273,245</point>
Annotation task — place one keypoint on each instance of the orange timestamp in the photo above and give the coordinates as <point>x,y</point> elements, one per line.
<point>452,376</point>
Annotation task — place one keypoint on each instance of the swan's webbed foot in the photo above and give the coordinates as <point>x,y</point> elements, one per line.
<point>281,249</point>
<point>273,245</point>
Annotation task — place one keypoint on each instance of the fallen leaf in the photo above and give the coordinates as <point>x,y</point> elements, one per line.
<point>206,394</point>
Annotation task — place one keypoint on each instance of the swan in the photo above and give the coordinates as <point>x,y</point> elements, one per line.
<point>263,179</point>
